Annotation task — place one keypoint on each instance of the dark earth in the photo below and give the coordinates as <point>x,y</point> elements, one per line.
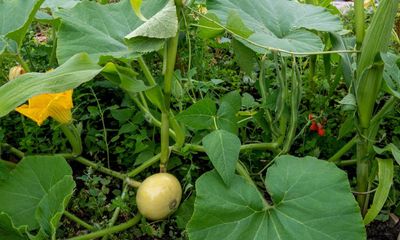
<point>388,230</point>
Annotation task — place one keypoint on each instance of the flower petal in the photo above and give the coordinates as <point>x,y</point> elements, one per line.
<point>38,115</point>
<point>55,105</point>
<point>60,113</point>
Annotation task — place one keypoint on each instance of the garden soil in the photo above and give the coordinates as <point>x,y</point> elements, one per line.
<point>388,230</point>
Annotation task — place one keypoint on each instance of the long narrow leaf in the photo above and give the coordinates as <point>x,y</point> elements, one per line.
<point>77,70</point>
<point>385,176</point>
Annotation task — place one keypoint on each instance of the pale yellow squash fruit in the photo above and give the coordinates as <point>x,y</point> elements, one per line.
<point>159,196</point>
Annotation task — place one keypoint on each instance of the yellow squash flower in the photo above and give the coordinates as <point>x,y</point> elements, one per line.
<point>55,105</point>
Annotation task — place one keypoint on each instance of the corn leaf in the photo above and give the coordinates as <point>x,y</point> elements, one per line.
<point>385,176</point>
<point>77,70</point>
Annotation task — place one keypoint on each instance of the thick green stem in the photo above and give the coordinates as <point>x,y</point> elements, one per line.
<point>346,163</point>
<point>172,48</point>
<point>100,168</point>
<point>151,117</point>
<point>343,150</point>
<point>178,130</point>
<point>359,22</point>
<point>164,142</point>
<point>74,138</point>
<point>79,221</point>
<point>146,71</point>
<point>259,146</point>
<point>13,150</point>
<point>363,162</point>
<point>132,182</point>
<point>107,231</point>
<point>144,166</point>
<point>95,166</point>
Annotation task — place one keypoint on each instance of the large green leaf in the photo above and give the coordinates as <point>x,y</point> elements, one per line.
<point>209,26</point>
<point>312,200</point>
<point>100,29</point>
<point>16,14</point>
<point>16,17</point>
<point>244,56</point>
<point>200,115</point>
<point>7,45</point>
<point>385,176</point>
<point>8,230</point>
<point>77,70</point>
<point>53,204</point>
<point>54,5</point>
<point>164,24</point>
<point>33,183</point>
<point>5,169</point>
<point>277,24</point>
<point>223,149</point>
<point>226,118</point>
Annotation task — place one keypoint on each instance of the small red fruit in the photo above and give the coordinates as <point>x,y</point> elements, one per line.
<point>321,130</point>
<point>314,126</point>
<point>310,116</point>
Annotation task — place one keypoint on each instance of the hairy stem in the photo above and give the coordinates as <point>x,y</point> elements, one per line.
<point>13,150</point>
<point>107,231</point>
<point>95,166</point>
<point>146,71</point>
<point>172,48</point>
<point>144,166</point>
<point>151,117</point>
<point>79,221</point>
<point>74,138</point>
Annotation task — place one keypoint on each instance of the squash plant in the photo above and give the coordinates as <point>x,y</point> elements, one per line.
<point>308,197</point>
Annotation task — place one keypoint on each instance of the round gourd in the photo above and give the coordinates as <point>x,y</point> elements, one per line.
<point>158,196</point>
